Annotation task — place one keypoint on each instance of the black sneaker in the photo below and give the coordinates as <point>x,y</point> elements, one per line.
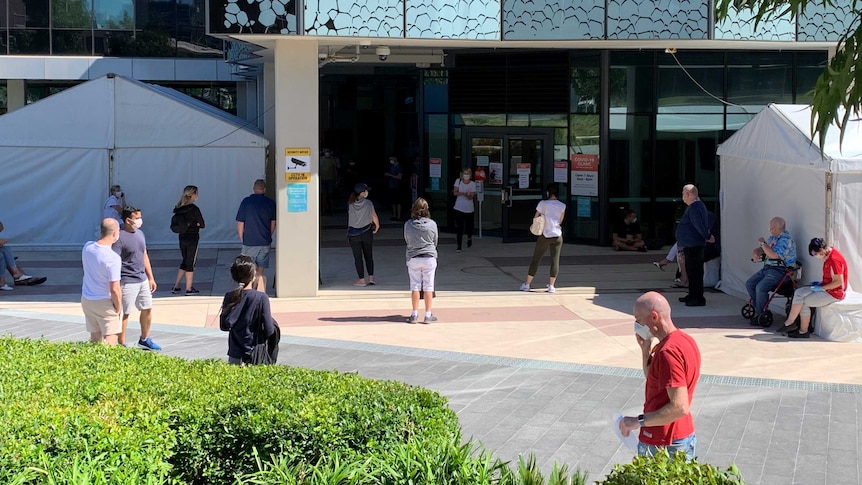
<point>192,291</point>
<point>793,327</point>
<point>470,242</point>
<point>175,290</point>
<point>642,249</point>
<point>797,334</point>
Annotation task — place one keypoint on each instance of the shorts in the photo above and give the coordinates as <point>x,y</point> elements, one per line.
<point>259,253</point>
<point>421,272</point>
<point>136,295</point>
<point>101,316</point>
<point>189,251</point>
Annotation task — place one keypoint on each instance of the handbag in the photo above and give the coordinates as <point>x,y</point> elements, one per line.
<point>265,351</point>
<point>538,225</point>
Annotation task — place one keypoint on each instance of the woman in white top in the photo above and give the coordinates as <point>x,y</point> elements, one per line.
<point>465,191</point>
<point>552,237</point>
<point>115,204</point>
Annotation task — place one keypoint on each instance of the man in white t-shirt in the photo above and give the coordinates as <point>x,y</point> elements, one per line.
<point>101,296</point>
<point>465,191</point>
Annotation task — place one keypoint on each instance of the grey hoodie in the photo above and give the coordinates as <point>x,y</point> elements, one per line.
<point>421,237</point>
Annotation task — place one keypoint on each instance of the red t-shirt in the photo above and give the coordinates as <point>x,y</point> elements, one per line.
<point>675,363</point>
<point>835,264</point>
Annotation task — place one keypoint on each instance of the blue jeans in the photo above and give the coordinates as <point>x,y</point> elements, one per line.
<point>7,259</point>
<point>686,444</point>
<point>760,284</point>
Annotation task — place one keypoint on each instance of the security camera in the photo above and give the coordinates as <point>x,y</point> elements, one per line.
<point>383,53</point>
<point>322,56</point>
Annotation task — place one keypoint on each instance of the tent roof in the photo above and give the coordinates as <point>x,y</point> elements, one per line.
<point>780,133</point>
<point>116,112</point>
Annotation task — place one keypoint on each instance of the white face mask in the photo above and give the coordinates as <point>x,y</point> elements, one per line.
<point>118,193</point>
<point>465,178</point>
<point>139,223</point>
<point>634,220</point>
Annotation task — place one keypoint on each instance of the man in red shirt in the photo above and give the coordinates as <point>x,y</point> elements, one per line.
<point>672,369</point>
<point>821,293</point>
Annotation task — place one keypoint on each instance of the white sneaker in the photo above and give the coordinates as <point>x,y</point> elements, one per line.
<point>6,287</point>
<point>525,287</point>
<point>551,289</point>
<point>23,277</point>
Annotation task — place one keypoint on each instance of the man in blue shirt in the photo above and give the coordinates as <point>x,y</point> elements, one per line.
<point>255,223</point>
<point>777,253</point>
<point>692,234</point>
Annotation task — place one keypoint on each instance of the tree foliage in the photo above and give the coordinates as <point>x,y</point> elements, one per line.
<point>838,90</point>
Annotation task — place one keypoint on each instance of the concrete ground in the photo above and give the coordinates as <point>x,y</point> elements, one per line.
<point>526,372</point>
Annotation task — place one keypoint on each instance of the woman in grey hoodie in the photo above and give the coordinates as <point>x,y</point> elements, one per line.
<point>362,225</point>
<point>420,233</point>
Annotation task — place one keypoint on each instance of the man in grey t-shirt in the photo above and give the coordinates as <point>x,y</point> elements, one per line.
<point>136,277</point>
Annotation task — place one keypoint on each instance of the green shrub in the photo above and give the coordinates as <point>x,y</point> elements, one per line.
<point>664,469</point>
<point>139,416</point>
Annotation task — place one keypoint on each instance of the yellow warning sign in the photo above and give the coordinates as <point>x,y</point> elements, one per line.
<point>297,177</point>
<point>297,165</point>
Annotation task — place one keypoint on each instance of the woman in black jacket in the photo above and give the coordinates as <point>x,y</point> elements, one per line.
<point>245,313</point>
<point>192,223</point>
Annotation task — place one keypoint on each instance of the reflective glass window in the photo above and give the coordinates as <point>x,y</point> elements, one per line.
<point>3,23</point>
<point>156,16</point>
<point>29,41</point>
<point>636,19</point>
<point>826,22</point>
<point>691,83</point>
<point>629,146</point>
<point>34,90</point>
<point>28,13</point>
<point>71,14</point>
<point>809,66</point>
<point>436,89</point>
<point>739,25</point>
<point>631,82</point>
<point>453,19</point>
<point>192,40</point>
<point>553,19</point>
<point>114,14</point>
<point>72,42</point>
<point>358,18</point>
<point>755,79</point>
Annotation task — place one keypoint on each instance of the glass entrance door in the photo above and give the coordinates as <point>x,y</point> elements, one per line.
<point>516,165</point>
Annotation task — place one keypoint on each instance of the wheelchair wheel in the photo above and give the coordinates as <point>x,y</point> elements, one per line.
<point>748,311</point>
<point>766,319</point>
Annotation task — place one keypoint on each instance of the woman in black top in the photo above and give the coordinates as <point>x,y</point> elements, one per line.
<point>194,222</point>
<point>242,311</point>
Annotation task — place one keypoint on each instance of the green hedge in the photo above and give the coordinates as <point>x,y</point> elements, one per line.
<point>140,417</point>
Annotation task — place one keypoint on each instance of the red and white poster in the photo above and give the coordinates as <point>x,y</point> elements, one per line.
<point>585,175</point>
<point>561,171</point>
<point>435,167</point>
<point>479,174</point>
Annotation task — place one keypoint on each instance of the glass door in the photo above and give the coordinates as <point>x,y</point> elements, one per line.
<point>514,166</point>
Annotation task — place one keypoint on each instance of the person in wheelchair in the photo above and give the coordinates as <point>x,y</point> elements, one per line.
<point>778,252</point>
<point>828,290</point>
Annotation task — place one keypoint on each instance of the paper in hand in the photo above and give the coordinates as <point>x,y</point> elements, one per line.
<point>630,441</point>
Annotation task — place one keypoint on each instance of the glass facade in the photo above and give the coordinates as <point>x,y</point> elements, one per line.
<point>521,20</point>
<point>122,28</point>
<point>665,116</point>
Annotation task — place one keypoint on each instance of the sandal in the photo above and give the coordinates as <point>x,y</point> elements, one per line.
<point>678,285</point>
<point>658,265</point>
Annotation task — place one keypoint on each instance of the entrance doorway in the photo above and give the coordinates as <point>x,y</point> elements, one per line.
<point>516,164</point>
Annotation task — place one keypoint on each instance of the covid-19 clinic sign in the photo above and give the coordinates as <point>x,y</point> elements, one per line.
<point>585,175</point>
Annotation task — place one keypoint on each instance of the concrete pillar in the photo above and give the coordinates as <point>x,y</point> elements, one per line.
<point>16,96</point>
<point>296,126</point>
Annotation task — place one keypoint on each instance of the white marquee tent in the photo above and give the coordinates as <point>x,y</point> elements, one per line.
<point>772,167</point>
<point>60,155</point>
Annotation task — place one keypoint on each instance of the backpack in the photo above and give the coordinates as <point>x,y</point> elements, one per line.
<point>179,224</point>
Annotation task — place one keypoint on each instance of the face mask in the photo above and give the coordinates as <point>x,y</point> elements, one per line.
<point>118,193</point>
<point>138,223</point>
<point>465,178</point>
<point>634,220</point>
<point>391,162</point>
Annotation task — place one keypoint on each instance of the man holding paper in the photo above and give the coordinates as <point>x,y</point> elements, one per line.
<point>672,369</point>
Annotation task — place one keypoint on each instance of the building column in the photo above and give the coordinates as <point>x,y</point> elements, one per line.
<point>266,121</point>
<point>16,95</point>
<point>296,126</point>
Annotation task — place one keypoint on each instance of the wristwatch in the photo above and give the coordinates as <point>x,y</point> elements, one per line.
<point>641,420</point>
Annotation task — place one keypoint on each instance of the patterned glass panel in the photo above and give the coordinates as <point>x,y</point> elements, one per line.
<point>660,19</point>
<point>825,23</point>
<point>553,19</point>
<point>355,18</point>
<point>739,25</point>
<point>253,16</point>
<point>453,19</point>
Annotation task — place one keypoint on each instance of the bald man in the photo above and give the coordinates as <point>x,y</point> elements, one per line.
<point>672,369</point>
<point>101,296</point>
<point>692,234</point>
